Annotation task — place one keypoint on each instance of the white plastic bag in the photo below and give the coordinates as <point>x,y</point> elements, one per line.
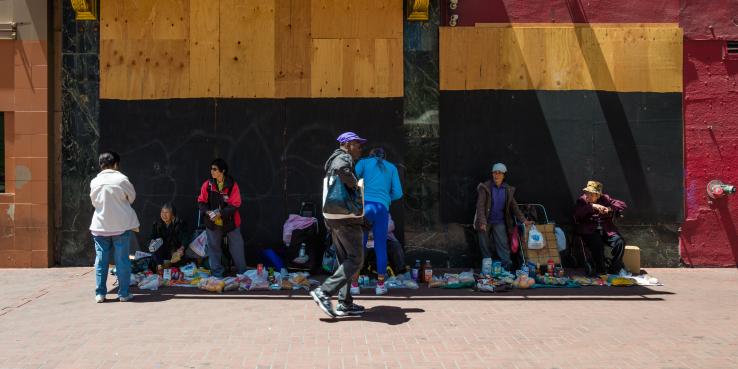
<point>199,244</point>
<point>535,239</point>
<point>560,239</point>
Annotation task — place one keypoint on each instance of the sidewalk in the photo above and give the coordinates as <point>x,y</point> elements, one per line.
<point>48,319</point>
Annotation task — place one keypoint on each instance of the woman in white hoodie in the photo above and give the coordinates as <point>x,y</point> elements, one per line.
<point>114,219</point>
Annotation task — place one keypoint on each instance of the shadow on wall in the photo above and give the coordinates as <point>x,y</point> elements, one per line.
<point>554,141</point>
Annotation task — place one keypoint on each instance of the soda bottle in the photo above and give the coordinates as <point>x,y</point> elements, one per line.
<point>427,272</point>
<point>416,270</point>
<point>550,268</point>
<point>259,269</point>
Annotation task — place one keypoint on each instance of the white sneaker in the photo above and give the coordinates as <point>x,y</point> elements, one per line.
<point>355,290</point>
<point>99,298</point>
<point>125,298</point>
<point>381,289</point>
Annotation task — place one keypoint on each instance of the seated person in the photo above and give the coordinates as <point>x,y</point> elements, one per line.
<point>593,214</point>
<point>168,236</point>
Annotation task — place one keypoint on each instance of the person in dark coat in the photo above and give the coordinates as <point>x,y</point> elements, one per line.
<point>593,213</point>
<point>495,215</point>
<point>170,233</point>
<point>346,229</point>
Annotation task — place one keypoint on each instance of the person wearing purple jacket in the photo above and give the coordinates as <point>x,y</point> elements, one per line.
<point>593,213</point>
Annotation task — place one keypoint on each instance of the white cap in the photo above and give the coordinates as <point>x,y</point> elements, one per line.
<point>499,167</point>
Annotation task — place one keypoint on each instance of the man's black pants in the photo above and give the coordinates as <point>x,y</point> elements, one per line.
<point>596,243</point>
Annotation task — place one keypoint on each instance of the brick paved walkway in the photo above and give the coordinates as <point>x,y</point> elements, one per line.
<point>48,320</point>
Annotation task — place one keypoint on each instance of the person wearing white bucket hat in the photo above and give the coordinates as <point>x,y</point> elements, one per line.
<point>495,215</point>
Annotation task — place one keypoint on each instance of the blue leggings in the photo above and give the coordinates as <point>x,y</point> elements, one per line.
<point>378,216</point>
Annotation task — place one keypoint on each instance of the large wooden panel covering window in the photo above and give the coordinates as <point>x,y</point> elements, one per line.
<point>250,48</point>
<point>607,57</point>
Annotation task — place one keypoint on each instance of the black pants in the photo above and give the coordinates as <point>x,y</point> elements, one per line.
<point>596,244</point>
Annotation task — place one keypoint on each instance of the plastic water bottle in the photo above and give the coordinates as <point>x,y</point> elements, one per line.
<point>302,250</point>
<point>416,270</point>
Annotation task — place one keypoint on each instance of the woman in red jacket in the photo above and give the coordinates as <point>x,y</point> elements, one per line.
<point>219,201</point>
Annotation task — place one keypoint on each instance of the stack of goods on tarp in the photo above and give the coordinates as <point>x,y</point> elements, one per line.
<point>494,278</point>
<point>622,279</point>
<point>452,280</point>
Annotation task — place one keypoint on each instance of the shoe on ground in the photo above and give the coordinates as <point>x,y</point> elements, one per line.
<point>355,290</point>
<point>349,309</point>
<point>125,298</point>
<point>323,301</point>
<point>99,298</point>
<point>381,289</point>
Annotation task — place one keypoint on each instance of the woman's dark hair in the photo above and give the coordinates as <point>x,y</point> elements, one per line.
<point>108,159</point>
<point>378,153</point>
<point>221,164</point>
<point>169,206</point>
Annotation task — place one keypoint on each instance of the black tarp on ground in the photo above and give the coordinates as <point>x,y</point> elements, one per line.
<point>275,149</point>
<point>554,141</point>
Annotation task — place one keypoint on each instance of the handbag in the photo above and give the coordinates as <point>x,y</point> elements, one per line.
<point>341,202</point>
<point>515,241</point>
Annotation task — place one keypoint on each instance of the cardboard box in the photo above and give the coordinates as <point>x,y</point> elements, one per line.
<point>632,259</point>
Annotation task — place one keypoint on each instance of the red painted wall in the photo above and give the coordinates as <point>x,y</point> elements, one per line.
<point>564,11</point>
<point>709,19</point>
<point>709,234</point>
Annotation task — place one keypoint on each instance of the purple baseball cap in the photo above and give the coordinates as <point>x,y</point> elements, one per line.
<point>349,136</point>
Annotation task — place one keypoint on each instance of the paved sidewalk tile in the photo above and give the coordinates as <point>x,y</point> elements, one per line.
<point>48,319</point>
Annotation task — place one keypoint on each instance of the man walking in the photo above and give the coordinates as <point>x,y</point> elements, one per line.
<point>112,195</point>
<point>346,230</point>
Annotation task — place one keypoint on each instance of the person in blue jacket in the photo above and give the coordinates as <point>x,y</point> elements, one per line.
<point>381,187</point>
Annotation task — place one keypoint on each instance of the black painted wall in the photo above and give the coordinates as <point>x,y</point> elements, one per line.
<point>554,141</point>
<point>275,149</point>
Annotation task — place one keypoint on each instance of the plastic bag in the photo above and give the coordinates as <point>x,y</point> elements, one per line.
<point>259,281</point>
<point>560,239</point>
<point>212,284</point>
<point>300,280</point>
<point>329,259</point>
<point>151,282</point>
<point>231,283</point>
<point>535,239</point>
<point>188,271</point>
<point>199,244</point>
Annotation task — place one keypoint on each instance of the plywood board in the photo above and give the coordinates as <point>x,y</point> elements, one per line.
<point>326,78</point>
<point>356,19</point>
<point>609,58</point>
<point>293,48</point>
<point>247,49</point>
<point>388,67</point>
<point>171,19</point>
<point>144,69</point>
<point>112,20</point>
<point>138,19</point>
<point>204,43</point>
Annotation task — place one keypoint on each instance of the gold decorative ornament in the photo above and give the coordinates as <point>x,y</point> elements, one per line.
<point>85,9</point>
<point>417,10</point>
